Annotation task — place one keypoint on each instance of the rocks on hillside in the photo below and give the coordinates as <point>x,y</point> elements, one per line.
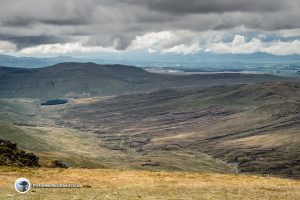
<point>59,164</point>
<point>10,155</point>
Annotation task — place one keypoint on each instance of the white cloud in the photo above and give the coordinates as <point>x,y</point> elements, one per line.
<point>240,45</point>
<point>150,50</point>
<point>283,48</point>
<point>181,42</point>
<point>183,49</point>
<point>7,47</point>
<point>65,48</point>
<point>289,32</point>
<point>233,41</point>
<point>151,40</point>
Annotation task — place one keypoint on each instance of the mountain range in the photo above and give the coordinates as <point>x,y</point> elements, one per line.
<point>151,60</point>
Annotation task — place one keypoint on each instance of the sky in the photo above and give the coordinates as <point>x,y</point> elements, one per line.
<point>94,27</point>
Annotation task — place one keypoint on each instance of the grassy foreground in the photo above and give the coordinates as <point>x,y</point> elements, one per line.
<point>119,184</point>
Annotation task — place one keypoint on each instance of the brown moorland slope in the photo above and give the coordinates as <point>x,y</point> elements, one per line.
<point>255,127</point>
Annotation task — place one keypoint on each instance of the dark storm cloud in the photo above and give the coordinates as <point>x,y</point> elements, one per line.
<point>26,22</point>
<point>17,22</point>
<point>28,41</point>
<point>121,41</point>
<point>116,23</point>
<point>66,22</point>
<point>211,6</point>
<point>24,13</point>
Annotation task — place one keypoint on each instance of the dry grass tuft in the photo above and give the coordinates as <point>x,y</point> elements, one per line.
<point>121,184</point>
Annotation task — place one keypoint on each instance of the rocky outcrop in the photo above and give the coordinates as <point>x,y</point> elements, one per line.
<point>10,155</point>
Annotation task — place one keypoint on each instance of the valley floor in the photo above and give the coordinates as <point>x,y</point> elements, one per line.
<point>124,184</point>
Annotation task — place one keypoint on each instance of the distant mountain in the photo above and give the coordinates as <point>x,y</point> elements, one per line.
<point>30,62</point>
<point>38,62</point>
<point>89,79</point>
<point>144,59</point>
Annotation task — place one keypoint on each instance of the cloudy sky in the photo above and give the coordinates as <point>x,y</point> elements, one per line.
<point>55,27</point>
